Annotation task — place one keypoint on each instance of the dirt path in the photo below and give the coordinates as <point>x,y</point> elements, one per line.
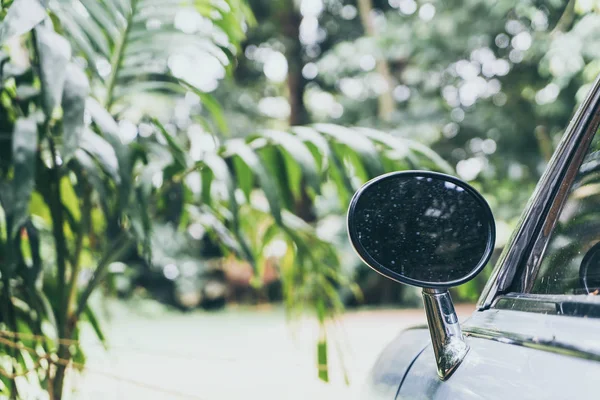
<point>239,353</point>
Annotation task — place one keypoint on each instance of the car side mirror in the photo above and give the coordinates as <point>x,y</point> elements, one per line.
<point>428,230</point>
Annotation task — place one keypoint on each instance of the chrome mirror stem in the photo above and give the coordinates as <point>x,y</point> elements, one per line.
<point>449,345</point>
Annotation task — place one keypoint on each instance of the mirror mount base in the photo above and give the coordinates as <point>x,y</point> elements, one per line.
<point>449,345</point>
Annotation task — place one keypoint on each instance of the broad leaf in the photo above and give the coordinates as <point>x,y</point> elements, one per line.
<point>138,46</point>
<point>22,16</point>
<point>54,52</point>
<point>25,142</point>
<point>299,152</point>
<point>73,104</point>
<point>104,153</point>
<point>250,158</point>
<point>356,142</point>
<point>90,170</point>
<point>179,155</point>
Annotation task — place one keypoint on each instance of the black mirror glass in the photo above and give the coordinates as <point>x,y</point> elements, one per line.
<point>422,228</point>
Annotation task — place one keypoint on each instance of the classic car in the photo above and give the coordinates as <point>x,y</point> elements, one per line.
<point>535,333</point>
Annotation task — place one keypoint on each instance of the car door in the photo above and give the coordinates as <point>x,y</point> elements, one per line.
<point>536,332</point>
<point>514,355</point>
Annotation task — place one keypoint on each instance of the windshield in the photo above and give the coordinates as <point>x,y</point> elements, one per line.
<point>571,264</point>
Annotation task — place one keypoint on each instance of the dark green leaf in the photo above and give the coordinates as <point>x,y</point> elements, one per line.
<point>289,184</point>
<point>33,273</point>
<point>207,218</point>
<point>239,148</point>
<point>316,143</point>
<point>243,176</point>
<point>110,130</point>
<point>138,212</point>
<point>405,147</point>
<point>73,103</point>
<point>89,169</point>
<point>90,315</point>
<point>98,147</point>
<point>25,142</point>
<point>357,143</point>
<point>299,152</point>
<point>54,52</point>
<point>219,169</point>
<point>207,176</point>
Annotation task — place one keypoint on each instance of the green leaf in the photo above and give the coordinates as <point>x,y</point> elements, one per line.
<point>213,107</point>
<point>322,363</point>
<point>243,176</point>
<point>208,219</point>
<point>102,118</point>
<point>117,30</point>
<point>299,152</point>
<point>102,17</point>
<point>316,143</point>
<point>25,142</point>
<point>22,16</point>
<point>33,273</point>
<point>357,143</point>
<point>288,183</point>
<point>73,104</point>
<point>179,155</point>
<point>100,149</point>
<point>250,158</point>
<point>139,215</point>
<point>54,54</point>
<point>207,176</point>
<point>221,173</point>
<point>110,130</point>
<point>90,170</point>
<point>90,315</point>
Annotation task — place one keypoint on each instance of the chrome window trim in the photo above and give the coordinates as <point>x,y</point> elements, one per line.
<point>563,335</point>
<point>518,264</point>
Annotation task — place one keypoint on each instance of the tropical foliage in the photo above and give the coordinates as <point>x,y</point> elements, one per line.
<point>86,166</point>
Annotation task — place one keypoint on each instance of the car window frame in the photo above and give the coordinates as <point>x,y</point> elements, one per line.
<point>519,263</point>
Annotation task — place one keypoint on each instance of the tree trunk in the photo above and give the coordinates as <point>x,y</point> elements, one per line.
<point>290,27</point>
<point>385,100</point>
<point>290,20</point>
<point>64,355</point>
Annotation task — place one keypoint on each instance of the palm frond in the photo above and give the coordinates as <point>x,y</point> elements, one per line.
<point>148,46</point>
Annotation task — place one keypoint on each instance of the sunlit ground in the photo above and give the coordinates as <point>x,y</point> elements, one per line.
<point>250,353</point>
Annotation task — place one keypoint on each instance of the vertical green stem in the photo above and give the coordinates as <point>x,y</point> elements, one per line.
<point>9,309</point>
<point>60,243</point>
<point>117,58</point>
<point>84,226</point>
<point>322,362</point>
<point>56,213</point>
<point>55,204</point>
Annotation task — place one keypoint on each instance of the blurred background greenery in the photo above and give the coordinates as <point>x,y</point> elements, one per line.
<point>201,153</point>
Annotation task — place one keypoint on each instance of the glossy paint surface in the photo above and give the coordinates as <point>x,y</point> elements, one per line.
<point>518,355</point>
<point>421,228</point>
<point>495,370</point>
<point>393,363</point>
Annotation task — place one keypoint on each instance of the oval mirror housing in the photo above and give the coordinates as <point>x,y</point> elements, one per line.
<point>422,228</point>
<point>429,230</point>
